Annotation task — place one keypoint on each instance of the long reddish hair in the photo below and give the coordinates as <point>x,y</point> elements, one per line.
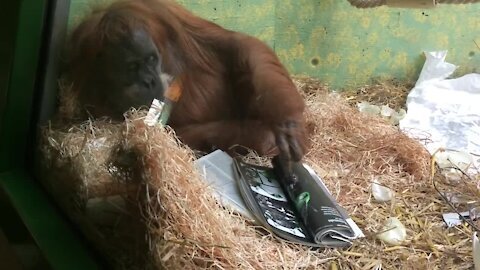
<point>180,36</point>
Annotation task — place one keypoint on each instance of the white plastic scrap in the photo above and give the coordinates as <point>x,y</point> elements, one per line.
<point>394,233</point>
<point>476,251</point>
<point>453,164</point>
<point>368,108</point>
<point>456,159</point>
<point>393,116</point>
<point>381,193</point>
<point>384,111</point>
<point>446,111</point>
<point>453,219</point>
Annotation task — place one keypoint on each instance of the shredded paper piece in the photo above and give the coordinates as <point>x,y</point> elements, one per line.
<point>453,219</point>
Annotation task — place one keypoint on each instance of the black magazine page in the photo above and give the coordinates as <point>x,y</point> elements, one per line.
<point>321,215</point>
<point>269,204</point>
<point>302,211</point>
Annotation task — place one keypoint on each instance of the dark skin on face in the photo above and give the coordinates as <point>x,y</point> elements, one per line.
<point>130,71</point>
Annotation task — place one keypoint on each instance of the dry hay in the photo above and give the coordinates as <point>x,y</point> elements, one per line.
<point>389,92</point>
<point>188,230</point>
<point>76,168</point>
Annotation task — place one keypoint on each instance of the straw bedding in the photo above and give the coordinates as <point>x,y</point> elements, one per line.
<point>167,201</point>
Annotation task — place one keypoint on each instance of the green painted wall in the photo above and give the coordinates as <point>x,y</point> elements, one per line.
<point>342,45</point>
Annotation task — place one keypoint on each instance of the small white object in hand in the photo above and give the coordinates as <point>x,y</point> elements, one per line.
<point>394,233</point>
<point>381,193</point>
<point>154,113</point>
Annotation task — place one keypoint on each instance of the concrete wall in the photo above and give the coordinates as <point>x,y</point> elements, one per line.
<point>342,45</point>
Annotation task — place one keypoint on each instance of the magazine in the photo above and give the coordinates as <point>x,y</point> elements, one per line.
<point>297,208</point>
<point>304,212</point>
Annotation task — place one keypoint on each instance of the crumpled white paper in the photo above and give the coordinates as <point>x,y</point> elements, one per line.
<point>446,111</point>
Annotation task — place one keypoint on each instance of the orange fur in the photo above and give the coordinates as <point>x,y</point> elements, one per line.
<point>234,88</point>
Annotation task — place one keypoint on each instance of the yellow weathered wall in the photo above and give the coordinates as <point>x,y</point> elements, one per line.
<point>342,45</point>
<point>353,45</point>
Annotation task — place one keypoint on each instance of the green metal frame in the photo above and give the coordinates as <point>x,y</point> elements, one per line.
<point>60,245</point>
<point>16,119</point>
